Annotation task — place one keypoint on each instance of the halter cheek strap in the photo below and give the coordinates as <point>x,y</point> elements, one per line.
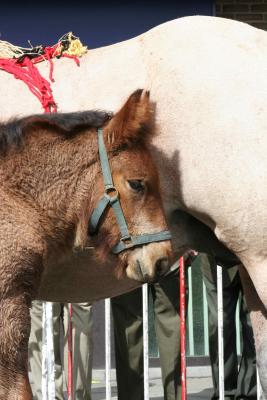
<point>111,199</point>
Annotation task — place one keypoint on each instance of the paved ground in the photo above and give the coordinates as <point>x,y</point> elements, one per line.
<point>199,384</point>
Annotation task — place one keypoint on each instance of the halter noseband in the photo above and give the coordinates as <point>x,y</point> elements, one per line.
<point>111,199</point>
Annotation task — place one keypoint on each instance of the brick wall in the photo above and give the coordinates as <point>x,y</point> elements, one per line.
<point>251,12</point>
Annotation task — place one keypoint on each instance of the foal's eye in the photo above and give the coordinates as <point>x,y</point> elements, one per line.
<point>137,185</point>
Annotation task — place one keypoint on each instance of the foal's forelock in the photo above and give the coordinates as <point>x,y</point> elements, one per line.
<point>66,124</point>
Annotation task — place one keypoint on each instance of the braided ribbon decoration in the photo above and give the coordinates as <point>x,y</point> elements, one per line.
<point>20,62</point>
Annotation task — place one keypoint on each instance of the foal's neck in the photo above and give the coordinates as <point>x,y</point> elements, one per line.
<point>54,174</point>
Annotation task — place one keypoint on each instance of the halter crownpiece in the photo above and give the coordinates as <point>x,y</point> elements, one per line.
<point>111,199</point>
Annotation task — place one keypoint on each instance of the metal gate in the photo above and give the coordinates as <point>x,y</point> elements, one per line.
<point>48,367</point>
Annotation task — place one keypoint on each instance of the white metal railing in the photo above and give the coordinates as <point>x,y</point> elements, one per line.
<point>48,361</point>
<point>48,383</point>
<point>190,316</point>
<point>220,331</point>
<point>259,390</point>
<point>205,317</point>
<point>145,340</point>
<point>108,349</point>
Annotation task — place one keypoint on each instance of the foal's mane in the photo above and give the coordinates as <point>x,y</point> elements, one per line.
<point>68,124</point>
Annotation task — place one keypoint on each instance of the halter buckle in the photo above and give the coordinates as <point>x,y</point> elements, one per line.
<point>112,194</point>
<point>127,240</point>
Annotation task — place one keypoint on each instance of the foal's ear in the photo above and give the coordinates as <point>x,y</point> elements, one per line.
<point>132,122</point>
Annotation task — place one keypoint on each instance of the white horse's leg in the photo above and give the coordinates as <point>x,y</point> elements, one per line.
<point>257,300</point>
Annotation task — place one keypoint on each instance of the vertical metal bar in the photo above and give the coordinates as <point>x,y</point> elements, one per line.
<point>70,358</point>
<point>259,391</point>
<point>237,324</point>
<point>182,327</point>
<point>48,361</point>
<point>220,331</point>
<point>108,349</point>
<point>190,314</point>
<point>205,318</point>
<point>145,341</point>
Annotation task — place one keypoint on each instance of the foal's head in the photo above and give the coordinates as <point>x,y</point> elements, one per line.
<point>57,162</point>
<point>135,178</point>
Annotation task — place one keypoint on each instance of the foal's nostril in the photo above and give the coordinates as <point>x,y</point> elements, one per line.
<point>161,265</point>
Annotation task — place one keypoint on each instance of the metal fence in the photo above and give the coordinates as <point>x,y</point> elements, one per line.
<point>197,335</point>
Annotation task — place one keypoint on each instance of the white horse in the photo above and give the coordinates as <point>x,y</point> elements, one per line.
<point>208,79</point>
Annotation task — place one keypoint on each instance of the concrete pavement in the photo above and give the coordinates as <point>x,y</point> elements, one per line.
<point>199,384</point>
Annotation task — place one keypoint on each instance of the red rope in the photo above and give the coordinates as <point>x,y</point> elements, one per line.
<point>183,327</point>
<point>29,74</point>
<point>70,358</point>
<point>76,59</point>
<point>26,71</point>
<point>51,69</point>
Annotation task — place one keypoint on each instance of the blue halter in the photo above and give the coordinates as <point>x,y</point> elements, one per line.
<point>111,199</point>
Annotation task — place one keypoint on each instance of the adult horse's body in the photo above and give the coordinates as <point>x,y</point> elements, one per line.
<point>208,78</point>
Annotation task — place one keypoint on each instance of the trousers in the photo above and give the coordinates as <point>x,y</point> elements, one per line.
<point>82,349</point>
<point>240,380</point>
<point>128,333</point>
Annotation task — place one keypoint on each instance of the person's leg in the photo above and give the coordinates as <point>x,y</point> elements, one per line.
<point>128,334</point>
<point>230,296</point>
<point>258,321</point>
<point>82,336</point>
<point>167,327</point>
<point>35,350</point>
<point>247,376</point>
<point>57,324</point>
